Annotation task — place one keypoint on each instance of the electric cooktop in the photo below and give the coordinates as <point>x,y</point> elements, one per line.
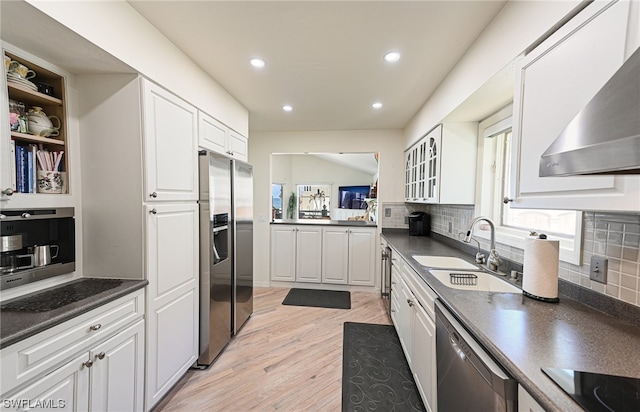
<point>598,392</point>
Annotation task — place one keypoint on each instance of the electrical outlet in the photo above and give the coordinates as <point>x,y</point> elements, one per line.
<point>450,227</point>
<point>387,212</point>
<point>406,220</point>
<point>599,266</point>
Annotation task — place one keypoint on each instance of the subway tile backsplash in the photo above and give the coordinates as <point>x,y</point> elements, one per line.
<point>613,236</point>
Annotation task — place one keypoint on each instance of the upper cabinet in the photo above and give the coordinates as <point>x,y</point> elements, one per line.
<point>218,138</point>
<point>170,145</point>
<point>34,149</point>
<point>553,83</point>
<point>440,167</point>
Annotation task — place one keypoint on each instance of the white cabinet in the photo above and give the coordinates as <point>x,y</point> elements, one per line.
<point>335,255</point>
<point>94,362</point>
<point>526,403</point>
<point>552,85</point>
<point>172,310</point>
<point>413,314</point>
<point>323,254</point>
<point>308,254</point>
<point>217,137</point>
<point>170,145</point>
<point>440,167</point>
<point>141,174</point>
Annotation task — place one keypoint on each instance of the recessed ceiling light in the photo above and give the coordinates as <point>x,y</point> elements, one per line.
<point>256,62</point>
<point>376,105</point>
<point>392,56</point>
<point>287,108</point>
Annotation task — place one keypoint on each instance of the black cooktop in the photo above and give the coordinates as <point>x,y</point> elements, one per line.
<point>598,392</point>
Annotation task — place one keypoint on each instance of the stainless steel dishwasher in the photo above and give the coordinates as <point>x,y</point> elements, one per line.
<point>468,378</point>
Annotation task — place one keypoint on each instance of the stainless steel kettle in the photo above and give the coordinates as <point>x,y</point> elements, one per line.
<point>42,254</point>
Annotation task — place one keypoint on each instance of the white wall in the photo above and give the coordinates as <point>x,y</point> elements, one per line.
<point>261,145</point>
<point>120,30</point>
<point>518,25</point>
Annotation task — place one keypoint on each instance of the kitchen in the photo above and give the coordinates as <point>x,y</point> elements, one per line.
<point>390,143</point>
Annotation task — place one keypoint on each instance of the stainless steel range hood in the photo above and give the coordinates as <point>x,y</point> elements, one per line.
<point>604,138</point>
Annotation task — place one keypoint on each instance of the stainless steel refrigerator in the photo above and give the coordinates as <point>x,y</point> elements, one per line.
<point>226,251</point>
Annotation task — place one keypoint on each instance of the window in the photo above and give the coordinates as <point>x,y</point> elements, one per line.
<point>314,201</point>
<point>512,224</point>
<point>277,190</point>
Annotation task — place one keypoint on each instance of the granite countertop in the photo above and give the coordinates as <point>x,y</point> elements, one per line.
<point>324,222</point>
<point>16,323</point>
<point>525,334</point>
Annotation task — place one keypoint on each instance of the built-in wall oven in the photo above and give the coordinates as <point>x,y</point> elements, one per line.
<point>385,270</point>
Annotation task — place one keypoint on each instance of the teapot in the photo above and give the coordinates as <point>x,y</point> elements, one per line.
<point>40,124</point>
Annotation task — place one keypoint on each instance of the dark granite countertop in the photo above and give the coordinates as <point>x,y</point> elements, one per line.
<point>16,325</point>
<point>524,334</point>
<point>324,222</point>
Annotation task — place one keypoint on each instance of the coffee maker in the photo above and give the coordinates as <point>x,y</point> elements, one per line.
<point>36,244</point>
<point>419,224</point>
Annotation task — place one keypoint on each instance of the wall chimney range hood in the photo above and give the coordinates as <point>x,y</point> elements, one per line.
<point>604,138</point>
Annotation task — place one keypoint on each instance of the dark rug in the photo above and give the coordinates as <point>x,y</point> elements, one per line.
<point>334,299</point>
<point>375,373</point>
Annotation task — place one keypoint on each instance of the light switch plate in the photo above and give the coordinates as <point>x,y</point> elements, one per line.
<point>599,266</point>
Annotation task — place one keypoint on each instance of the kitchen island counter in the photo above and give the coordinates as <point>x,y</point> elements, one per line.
<point>20,322</point>
<point>324,222</point>
<point>524,334</point>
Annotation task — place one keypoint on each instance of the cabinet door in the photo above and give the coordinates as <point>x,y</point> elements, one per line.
<point>172,304</point>
<point>64,389</point>
<point>362,253</point>
<point>308,254</point>
<point>432,146</point>
<point>170,145</point>
<point>212,135</point>
<point>552,85</point>
<point>424,356</point>
<point>405,320</point>
<point>238,146</point>
<point>117,375</point>
<point>283,253</point>
<point>396,295</point>
<point>335,255</point>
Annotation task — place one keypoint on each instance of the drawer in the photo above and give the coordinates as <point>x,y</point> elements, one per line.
<point>423,292</point>
<point>37,354</point>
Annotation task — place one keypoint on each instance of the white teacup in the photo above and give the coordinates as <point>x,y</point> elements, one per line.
<point>21,70</point>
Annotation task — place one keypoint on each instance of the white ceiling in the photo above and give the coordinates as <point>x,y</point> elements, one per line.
<point>324,57</point>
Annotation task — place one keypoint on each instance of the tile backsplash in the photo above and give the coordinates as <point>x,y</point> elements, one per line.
<point>613,236</point>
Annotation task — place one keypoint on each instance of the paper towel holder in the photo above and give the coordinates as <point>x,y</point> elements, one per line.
<point>547,299</point>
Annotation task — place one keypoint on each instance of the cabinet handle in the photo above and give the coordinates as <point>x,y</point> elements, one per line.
<point>25,215</point>
<point>88,363</point>
<point>153,211</point>
<point>506,200</point>
<point>95,327</point>
<point>7,192</point>
<point>410,302</point>
<point>393,311</point>
<point>100,355</point>
<point>393,283</point>
<point>154,195</point>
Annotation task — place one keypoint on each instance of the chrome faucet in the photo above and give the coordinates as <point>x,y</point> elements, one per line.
<point>494,259</point>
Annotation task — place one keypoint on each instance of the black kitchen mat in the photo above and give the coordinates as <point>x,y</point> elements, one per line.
<point>334,299</point>
<point>61,296</point>
<point>375,372</point>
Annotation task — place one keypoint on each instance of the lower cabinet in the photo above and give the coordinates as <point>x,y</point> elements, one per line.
<point>526,403</point>
<point>94,362</point>
<point>172,295</point>
<point>328,254</point>
<point>412,313</point>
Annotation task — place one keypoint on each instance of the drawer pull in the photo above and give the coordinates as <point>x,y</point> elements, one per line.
<point>154,195</point>
<point>153,211</point>
<point>88,363</point>
<point>95,327</point>
<point>410,302</point>
<point>100,355</point>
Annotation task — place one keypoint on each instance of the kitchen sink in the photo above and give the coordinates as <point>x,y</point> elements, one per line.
<point>444,262</point>
<point>474,280</point>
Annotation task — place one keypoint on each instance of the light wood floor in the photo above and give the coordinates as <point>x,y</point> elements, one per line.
<point>286,358</point>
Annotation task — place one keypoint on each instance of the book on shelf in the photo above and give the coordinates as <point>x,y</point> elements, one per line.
<point>13,165</point>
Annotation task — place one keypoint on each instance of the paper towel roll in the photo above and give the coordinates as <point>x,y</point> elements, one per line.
<point>540,269</point>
